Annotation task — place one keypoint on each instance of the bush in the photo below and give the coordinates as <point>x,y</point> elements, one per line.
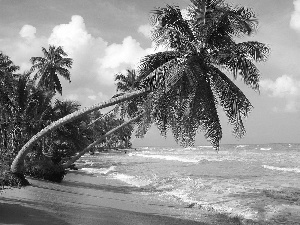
<point>7,178</point>
<point>45,169</point>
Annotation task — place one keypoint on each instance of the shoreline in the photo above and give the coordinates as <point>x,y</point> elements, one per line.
<point>87,203</point>
<point>90,200</point>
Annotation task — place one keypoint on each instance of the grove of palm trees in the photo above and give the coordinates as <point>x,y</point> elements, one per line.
<point>179,90</point>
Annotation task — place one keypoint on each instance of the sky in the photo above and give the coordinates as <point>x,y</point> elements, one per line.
<point>106,37</point>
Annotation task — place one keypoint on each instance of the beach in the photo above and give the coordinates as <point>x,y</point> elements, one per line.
<point>77,200</point>
<point>240,184</point>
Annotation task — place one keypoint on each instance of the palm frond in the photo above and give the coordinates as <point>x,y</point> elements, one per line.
<point>170,29</point>
<point>233,101</point>
<point>151,62</point>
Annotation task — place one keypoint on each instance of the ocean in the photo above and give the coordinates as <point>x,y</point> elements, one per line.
<point>251,182</point>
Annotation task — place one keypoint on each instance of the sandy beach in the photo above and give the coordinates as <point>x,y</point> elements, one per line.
<point>78,200</point>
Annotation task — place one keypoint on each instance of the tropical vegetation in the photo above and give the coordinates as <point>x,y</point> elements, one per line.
<point>179,89</point>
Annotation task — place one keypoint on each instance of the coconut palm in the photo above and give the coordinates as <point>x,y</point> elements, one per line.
<point>7,83</point>
<point>67,139</point>
<point>192,75</point>
<point>127,83</point>
<point>48,68</point>
<point>189,80</point>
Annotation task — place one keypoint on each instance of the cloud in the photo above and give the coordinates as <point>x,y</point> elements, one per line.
<point>95,60</point>
<point>28,32</point>
<point>295,18</point>
<point>145,30</point>
<point>285,87</point>
<point>22,47</point>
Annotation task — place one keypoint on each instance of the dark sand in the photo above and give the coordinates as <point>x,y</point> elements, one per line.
<point>83,199</point>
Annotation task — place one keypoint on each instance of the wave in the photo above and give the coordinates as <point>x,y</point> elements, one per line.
<point>285,169</point>
<point>241,146</point>
<point>131,180</point>
<point>220,206</point>
<point>102,171</point>
<point>265,149</point>
<point>169,157</point>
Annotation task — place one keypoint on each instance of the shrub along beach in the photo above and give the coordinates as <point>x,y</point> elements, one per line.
<point>45,140</point>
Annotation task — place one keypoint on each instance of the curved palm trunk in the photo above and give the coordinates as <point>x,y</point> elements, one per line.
<point>72,160</point>
<point>91,123</point>
<point>18,163</point>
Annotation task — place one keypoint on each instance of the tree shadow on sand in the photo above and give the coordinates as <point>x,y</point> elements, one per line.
<point>17,213</point>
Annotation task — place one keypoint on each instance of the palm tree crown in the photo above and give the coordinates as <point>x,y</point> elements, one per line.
<point>48,68</point>
<point>190,79</point>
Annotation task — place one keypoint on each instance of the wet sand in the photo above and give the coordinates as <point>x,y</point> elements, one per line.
<point>83,199</point>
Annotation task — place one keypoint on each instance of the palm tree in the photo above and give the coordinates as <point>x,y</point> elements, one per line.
<point>127,83</point>
<point>7,82</point>
<point>48,68</point>
<point>67,139</point>
<point>192,75</point>
<point>188,81</point>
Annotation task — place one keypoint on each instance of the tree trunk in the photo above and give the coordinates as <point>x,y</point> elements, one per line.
<point>100,117</point>
<point>18,163</point>
<point>72,160</point>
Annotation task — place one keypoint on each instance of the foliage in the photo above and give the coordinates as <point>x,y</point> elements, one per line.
<point>48,68</point>
<point>45,168</point>
<point>179,89</point>
<point>120,139</point>
<point>189,80</point>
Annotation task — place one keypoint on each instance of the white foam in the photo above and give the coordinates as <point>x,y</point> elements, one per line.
<point>284,169</point>
<point>265,149</point>
<point>131,180</point>
<point>169,157</point>
<point>241,146</point>
<point>98,170</point>
<point>180,194</point>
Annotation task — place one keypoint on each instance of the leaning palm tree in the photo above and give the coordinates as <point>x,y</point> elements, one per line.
<point>192,75</point>
<point>190,80</point>
<point>126,83</point>
<point>48,68</point>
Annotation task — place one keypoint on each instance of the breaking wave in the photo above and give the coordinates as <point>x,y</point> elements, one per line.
<point>284,169</point>
<point>102,171</point>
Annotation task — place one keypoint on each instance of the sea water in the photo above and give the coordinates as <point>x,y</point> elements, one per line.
<point>254,182</point>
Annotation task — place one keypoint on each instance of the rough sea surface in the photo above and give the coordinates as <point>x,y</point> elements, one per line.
<point>252,182</point>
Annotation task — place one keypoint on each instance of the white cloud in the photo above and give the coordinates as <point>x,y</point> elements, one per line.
<point>185,14</point>
<point>92,97</point>
<point>72,97</point>
<point>96,61</point>
<point>23,46</point>
<point>295,18</point>
<point>129,52</point>
<point>145,30</point>
<point>285,87</point>
<point>28,32</point>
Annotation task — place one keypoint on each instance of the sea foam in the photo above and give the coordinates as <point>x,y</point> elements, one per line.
<point>102,171</point>
<point>265,149</point>
<point>131,180</point>
<point>284,169</point>
<point>169,157</point>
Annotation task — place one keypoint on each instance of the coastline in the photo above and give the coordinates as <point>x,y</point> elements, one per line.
<point>90,200</point>
<point>89,204</point>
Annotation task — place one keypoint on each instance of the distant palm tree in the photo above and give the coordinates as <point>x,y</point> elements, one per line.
<point>48,68</point>
<point>127,83</point>
<point>189,80</point>
<point>7,84</point>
